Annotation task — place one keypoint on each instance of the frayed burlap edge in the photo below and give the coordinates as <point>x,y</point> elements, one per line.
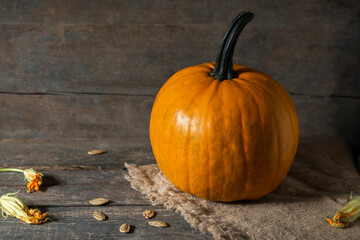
<point>150,181</point>
<point>318,184</point>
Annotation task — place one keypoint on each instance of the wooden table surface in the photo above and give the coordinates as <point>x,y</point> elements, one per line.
<point>72,178</point>
<point>81,75</point>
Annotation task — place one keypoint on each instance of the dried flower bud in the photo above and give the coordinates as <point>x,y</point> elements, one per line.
<point>14,207</point>
<point>349,213</point>
<point>34,178</point>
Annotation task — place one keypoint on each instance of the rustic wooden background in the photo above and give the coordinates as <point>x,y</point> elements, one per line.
<point>91,69</point>
<point>82,74</point>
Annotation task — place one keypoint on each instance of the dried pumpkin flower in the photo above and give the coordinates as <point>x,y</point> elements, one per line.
<point>349,213</point>
<point>12,206</point>
<point>34,178</point>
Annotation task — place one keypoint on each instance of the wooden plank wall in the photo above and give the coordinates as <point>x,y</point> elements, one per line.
<point>91,69</point>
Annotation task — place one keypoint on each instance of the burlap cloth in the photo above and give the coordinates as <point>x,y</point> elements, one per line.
<point>319,183</point>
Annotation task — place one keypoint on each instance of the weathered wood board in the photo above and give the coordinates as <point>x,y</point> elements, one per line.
<point>118,46</point>
<point>72,178</point>
<point>81,75</point>
<point>66,191</point>
<point>108,116</point>
<point>92,68</point>
<point>71,153</point>
<point>78,223</point>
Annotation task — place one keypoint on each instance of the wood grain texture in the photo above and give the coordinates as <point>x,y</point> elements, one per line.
<point>103,116</point>
<point>161,11</point>
<point>71,154</point>
<point>78,223</point>
<point>66,191</point>
<point>74,116</point>
<point>76,188</point>
<point>81,75</point>
<point>133,47</point>
<point>113,57</point>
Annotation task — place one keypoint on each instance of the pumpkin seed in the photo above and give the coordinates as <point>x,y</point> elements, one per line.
<point>159,224</point>
<point>125,228</point>
<point>98,201</point>
<point>99,216</point>
<point>148,213</point>
<point>96,152</point>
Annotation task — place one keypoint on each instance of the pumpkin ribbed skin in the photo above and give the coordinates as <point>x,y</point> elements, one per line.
<point>224,140</point>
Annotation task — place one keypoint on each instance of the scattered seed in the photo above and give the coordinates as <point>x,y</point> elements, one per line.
<point>148,213</point>
<point>98,201</point>
<point>96,152</point>
<point>99,216</point>
<point>125,228</point>
<point>159,224</point>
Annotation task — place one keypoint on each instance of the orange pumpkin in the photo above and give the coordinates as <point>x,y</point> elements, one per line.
<point>223,131</point>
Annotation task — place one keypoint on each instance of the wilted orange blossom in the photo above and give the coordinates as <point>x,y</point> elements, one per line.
<point>13,206</point>
<point>34,178</point>
<point>349,213</point>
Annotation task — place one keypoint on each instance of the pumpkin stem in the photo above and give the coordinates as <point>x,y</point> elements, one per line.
<point>224,60</point>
